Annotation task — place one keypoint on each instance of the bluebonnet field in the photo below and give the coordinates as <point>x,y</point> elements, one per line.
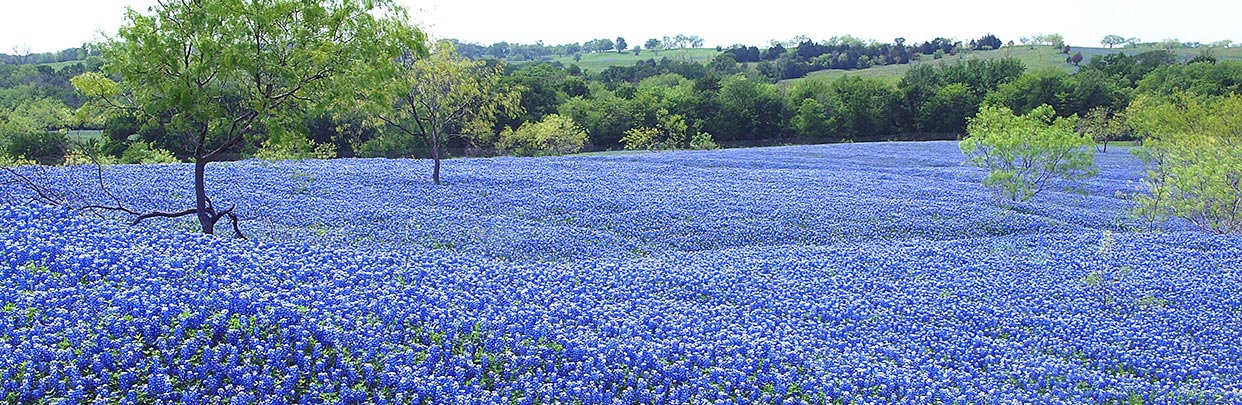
<point>858,273</point>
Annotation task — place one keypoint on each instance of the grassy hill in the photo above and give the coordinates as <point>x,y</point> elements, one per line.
<point>1039,57</point>
<point>597,62</point>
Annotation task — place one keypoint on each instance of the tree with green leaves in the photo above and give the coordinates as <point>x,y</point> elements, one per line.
<point>29,131</point>
<point>652,44</point>
<point>1103,125</point>
<point>441,96</point>
<point>621,45</point>
<point>947,110</point>
<point>219,74</point>
<point>554,135</point>
<point>1192,145</point>
<point>1024,154</point>
<point>1113,40</point>
<point>749,109</point>
<point>672,132</point>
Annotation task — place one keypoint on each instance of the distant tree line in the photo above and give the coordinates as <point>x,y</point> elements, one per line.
<point>731,99</point>
<point>515,52</point>
<point>23,56</point>
<point>846,53</point>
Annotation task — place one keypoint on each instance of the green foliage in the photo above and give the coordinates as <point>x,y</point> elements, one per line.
<point>222,76</point>
<point>1025,153</point>
<point>29,131</point>
<point>749,109</point>
<point>1031,90</point>
<point>1103,125</point>
<point>811,119</point>
<point>871,106</point>
<point>703,141</point>
<point>1090,89</point>
<point>672,132</point>
<point>604,115</point>
<point>641,138</point>
<point>294,146</point>
<point>554,135</point>
<point>818,112</point>
<point>45,148</point>
<point>1193,149</point>
<point>390,145</point>
<point>144,153</point>
<point>435,98</point>
<point>947,110</point>
<point>214,90</point>
<point>1212,79</point>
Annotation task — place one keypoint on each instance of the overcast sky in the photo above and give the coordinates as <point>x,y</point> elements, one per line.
<point>51,25</point>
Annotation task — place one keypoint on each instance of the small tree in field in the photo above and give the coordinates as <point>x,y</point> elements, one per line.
<point>217,74</point>
<point>1102,124</point>
<point>438,97</point>
<point>1193,151</point>
<point>1025,153</point>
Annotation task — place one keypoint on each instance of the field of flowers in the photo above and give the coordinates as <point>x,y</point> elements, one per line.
<point>854,273</point>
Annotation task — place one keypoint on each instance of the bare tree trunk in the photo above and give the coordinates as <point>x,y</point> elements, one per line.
<point>205,217</point>
<point>435,156</point>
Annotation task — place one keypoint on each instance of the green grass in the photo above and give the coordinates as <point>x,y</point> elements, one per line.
<point>84,135</point>
<point>597,62</point>
<point>1039,57</point>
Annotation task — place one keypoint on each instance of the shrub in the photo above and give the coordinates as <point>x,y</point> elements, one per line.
<point>1193,150</point>
<point>1024,153</point>
<point>42,147</point>
<point>295,148</point>
<point>671,133</point>
<point>554,135</point>
<point>144,152</point>
<point>392,144</point>
<point>703,141</point>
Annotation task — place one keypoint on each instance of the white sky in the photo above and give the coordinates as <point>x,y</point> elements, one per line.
<point>52,25</point>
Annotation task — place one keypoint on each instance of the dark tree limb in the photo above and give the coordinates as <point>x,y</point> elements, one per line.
<point>42,194</point>
<point>236,229</point>
<point>161,214</point>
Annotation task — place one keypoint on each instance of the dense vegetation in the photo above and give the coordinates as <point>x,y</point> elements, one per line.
<point>730,97</point>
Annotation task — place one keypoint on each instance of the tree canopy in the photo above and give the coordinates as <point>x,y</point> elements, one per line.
<point>216,74</point>
<point>1025,153</point>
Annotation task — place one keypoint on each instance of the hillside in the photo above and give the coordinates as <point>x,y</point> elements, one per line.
<point>597,62</point>
<point>1039,57</point>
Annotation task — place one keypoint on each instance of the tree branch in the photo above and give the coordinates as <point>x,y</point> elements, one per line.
<point>162,214</point>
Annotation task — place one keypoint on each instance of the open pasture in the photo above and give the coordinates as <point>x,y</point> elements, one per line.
<point>851,273</point>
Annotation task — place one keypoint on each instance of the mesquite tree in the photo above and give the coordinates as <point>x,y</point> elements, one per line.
<point>218,73</point>
<point>437,97</point>
<point>1024,154</point>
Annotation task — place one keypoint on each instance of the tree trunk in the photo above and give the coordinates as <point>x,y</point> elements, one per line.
<point>435,157</point>
<point>205,218</point>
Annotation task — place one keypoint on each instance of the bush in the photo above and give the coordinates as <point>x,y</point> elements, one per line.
<point>144,153</point>
<point>295,148</point>
<point>1024,153</point>
<point>42,147</point>
<point>554,135</point>
<point>394,144</point>
<point>671,133</point>
<point>1193,149</point>
<point>703,141</point>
